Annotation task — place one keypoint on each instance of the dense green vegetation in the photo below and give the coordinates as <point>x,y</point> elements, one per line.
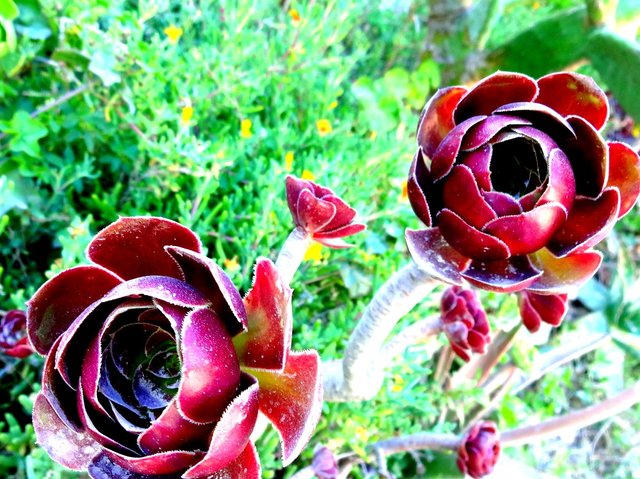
<point>197,111</point>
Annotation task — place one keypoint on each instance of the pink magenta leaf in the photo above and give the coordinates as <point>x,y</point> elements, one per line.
<point>207,277</point>
<point>571,93</point>
<point>419,180</point>
<point>436,119</point>
<point>563,274</point>
<point>445,156</point>
<point>589,222</point>
<point>624,174</point>
<point>480,133</point>
<point>134,246</point>
<point>462,195</point>
<point>530,231</point>
<point>344,213</point>
<point>171,431</point>
<point>588,155</point>
<point>60,301</point>
<point>72,449</point>
<point>493,91</point>
<point>210,368</point>
<point>231,434</point>
<point>430,251</point>
<point>245,466</point>
<point>470,241</point>
<point>507,276</point>
<point>266,343</point>
<point>162,463</point>
<point>346,230</point>
<point>314,213</point>
<point>292,400</point>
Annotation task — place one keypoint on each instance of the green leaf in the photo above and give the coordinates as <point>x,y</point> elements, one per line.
<point>547,46</point>
<point>102,64</point>
<point>8,9</point>
<point>443,466</point>
<point>10,197</point>
<point>25,132</point>
<point>72,58</point>
<point>357,282</point>
<point>9,43</point>
<point>32,23</point>
<point>617,60</point>
<point>481,18</point>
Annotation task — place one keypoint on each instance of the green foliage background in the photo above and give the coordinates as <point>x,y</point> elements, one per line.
<point>91,102</point>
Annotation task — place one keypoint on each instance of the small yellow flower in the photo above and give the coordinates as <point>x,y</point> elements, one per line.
<point>373,135</point>
<point>404,195</point>
<point>76,231</point>
<point>173,33</point>
<point>288,161</point>
<point>324,127</point>
<point>245,128</point>
<point>220,155</point>
<point>314,253</point>
<point>231,264</point>
<point>307,175</point>
<point>186,114</point>
<point>333,105</point>
<point>536,5</point>
<point>398,383</point>
<point>295,16</point>
<point>362,433</point>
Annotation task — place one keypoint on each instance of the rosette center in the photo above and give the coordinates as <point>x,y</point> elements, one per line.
<point>518,167</point>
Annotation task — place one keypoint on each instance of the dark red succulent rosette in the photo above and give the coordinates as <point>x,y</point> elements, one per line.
<point>516,184</point>
<point>479,450</point>
<point>464,321</point>
<point>536,309</point>
<point>320,213</point>
<point>156,367</point>
<point>13,334</point>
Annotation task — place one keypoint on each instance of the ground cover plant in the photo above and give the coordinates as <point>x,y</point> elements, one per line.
<point>264,136</point>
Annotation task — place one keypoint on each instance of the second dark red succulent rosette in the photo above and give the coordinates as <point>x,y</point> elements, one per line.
<point>516,184</point>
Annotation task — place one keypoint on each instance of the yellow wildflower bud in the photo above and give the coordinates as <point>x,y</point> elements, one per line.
<point>173,33</point>
<point>324,127</point>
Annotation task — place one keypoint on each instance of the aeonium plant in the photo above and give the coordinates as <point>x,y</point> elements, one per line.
<point>157,367</point>
<point>516,184</point>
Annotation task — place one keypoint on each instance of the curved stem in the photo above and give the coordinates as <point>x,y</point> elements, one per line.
<point>419,441</point>
<point>359,375</point>
<point>574,420</point>
<point>292,253</point>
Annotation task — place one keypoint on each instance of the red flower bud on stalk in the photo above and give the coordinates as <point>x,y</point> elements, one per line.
<point>479,450</point>
<point>538,308</point>
<point>516,184</point>
<point>13,334</point>
<point>157,367</point>
<point>464,321</point>
<point>320,213</point>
